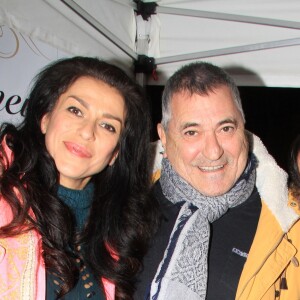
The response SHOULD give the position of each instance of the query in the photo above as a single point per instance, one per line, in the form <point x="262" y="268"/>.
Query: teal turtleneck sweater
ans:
<point x="79" y="202"/>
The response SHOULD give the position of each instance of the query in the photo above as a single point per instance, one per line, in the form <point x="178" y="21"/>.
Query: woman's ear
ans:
<point x="114" y="157"/>
<point x="44" y="123"/>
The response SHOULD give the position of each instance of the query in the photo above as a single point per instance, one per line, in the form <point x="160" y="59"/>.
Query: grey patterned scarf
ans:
<point x="182" y="274"/>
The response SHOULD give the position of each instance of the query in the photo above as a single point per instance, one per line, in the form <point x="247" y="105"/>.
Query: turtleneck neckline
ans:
<point x="77" y="198"/>
<point x="79" y="202"/>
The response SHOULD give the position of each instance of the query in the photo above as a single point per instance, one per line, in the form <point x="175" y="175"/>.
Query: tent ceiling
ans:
<point x="257" y="41"/>
<point x="53" y="22"/>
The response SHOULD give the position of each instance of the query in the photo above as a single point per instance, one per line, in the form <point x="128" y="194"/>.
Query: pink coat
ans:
<point x="22" y="269"/>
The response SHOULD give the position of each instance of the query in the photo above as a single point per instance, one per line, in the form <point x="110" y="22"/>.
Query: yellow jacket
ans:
<point x="274" y="255"/>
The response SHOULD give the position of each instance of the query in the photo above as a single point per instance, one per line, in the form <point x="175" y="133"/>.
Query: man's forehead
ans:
<point x="203" y="92"/>
<point x="192" y="109"/>
<point x="221" y="99"/>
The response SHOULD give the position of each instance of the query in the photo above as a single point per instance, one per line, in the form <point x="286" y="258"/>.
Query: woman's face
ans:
<point x="83" y="130"/>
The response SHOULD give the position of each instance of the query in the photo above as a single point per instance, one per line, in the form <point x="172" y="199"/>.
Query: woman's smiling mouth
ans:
<point x="77" y="150"/>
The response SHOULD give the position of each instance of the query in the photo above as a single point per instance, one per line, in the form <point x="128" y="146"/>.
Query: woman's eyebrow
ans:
<point x="81" y="101"/>
<point x="110" y="116"/>
<point x="87" y="105"/>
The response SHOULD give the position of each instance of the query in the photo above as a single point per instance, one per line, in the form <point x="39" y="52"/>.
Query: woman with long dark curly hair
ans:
<point x="75" y="215"/>
<point x="294" y="170"/>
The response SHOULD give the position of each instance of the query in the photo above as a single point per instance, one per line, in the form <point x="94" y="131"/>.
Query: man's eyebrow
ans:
<point x="228" y="121"/>
<point x="189" y="124"/>
<point x="222" y="122"/>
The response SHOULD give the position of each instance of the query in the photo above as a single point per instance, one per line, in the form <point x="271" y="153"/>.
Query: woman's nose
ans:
<point x="86" y="130"/>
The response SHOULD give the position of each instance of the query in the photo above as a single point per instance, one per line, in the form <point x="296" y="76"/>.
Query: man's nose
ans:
<point x="212" y="149"/>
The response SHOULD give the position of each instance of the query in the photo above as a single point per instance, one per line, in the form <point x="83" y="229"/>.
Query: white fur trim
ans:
<point x="271" y="183"/>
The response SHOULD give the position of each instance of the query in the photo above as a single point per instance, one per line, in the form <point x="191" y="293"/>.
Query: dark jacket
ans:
<point x="155" y="254"/>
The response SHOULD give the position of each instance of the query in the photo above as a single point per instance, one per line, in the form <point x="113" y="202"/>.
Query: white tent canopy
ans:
<point x="257" y="41"/>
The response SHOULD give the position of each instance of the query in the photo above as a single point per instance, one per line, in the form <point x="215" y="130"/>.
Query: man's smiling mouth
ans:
<point x="212" y="168"/>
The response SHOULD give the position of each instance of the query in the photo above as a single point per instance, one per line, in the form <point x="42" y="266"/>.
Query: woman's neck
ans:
<point x="79" y="202"/>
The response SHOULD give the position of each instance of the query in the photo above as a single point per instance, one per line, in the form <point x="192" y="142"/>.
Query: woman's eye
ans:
<point x="108" y="127"/>
<point x="76" y="111"/>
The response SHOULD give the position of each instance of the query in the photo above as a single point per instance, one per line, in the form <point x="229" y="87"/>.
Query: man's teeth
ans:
<point x="214" y="168"/>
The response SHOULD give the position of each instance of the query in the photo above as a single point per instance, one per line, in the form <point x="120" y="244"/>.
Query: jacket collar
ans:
<point x="271" y="183"/>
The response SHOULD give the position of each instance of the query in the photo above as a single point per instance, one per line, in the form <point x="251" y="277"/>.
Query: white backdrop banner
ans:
<point x="21" y="58"/>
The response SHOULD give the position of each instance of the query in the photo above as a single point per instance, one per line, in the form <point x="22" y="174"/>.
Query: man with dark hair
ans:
<point x="228" y="230"/>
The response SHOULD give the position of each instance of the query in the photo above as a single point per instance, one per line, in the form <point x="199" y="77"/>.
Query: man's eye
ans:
<point x="227" y="128"/>
<point x="108" y="127"/>
<point x="74" y="110"/>
<point x="190" y="133"/>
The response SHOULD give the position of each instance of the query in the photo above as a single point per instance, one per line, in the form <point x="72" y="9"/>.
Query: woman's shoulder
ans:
<point x="6" y="214"/>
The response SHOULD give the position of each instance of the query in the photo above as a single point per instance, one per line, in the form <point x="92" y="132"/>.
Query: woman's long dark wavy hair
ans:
<point x="122" y="217"/>
<point x="294" y="172"/>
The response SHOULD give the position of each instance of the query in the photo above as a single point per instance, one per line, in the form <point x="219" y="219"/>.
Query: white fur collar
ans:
<point x="271" y="183"/>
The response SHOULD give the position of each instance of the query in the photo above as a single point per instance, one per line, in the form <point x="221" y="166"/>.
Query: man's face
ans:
<point x="205" y="141"/>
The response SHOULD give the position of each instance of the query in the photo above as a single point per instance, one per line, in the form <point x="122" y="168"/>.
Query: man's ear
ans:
<point x="162" y="135"/>
<point x="44" y="123"/>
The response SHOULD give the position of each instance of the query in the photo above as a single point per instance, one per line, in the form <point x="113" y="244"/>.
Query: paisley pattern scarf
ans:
<point x="182" y="274"/>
